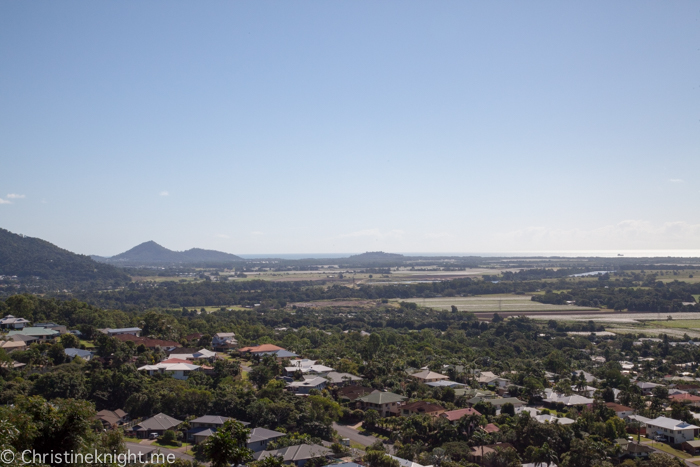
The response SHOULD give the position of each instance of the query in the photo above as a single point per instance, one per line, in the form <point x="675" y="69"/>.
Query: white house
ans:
<point x="307" y="367"/>
<point x="675" y="431"/>
<point x="224" y="341"/>
<point x="176" y="370"/>
<point x="309" y="383"/>
<point x="10" y="322"/>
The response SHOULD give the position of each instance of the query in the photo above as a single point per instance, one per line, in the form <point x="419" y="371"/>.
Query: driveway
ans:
<point x="347" y="432"/>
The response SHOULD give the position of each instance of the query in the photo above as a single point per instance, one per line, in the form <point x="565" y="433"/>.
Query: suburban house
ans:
<point x="647" y="388"/>
<point x="115" y="332"/>
<point x="177" y="369"/>
<point x="405" y="462"/>
<point x="421" y="408"/>
<point x="10" y="322"/>
<point x="674" y="431"/>
<point x="205" y="426"/>
<point x="497" y="402"/>
<point x="353" y="393"/>
<point x="297" y="455"/>
<point x="260" y="437"/>
<point x="386" y="403"/>
<point x="454" y="415"/>
<point x="56" y="327"/>
<point x="691" y="447"/>
<point x="554" y="398"/>
<point x="148" y="342"/>
<point x="587" y="391"/>
<point x="268" y="349"/>
<point x="9" y="346"/>
<point x="307" y="384"/>
<point x="341" y="379"/>
<point x="491" y="428"/>
<point x="621" y="411"/>
<point x="485" y="377"/>
<point x="157" y="424"/>
<point x="689" y="399"/>
<point x="84" y="354"/>
<point x="427" y="376"/>
<point x="306" y="366"/>
<point x="545" y="418"/>
<point x="587" y="376"/>
<point x="40" y="334"/>
<point x="202" y="354"/>
<point x="111" y="418"/>
<point x="223" y="341"/>
<point x="445" y="384"/>
<point x="633" y="450"/>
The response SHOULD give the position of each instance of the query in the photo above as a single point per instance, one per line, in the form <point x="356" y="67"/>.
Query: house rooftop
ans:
<point x="34" y="331"/>
<point x="382" y="398"/>
<point x="454" y="415"/>
<point x="158" y="422"/>
<point x="427" y="374"/>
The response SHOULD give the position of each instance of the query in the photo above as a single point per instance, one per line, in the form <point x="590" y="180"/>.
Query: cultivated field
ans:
<point x="494" y="304"/>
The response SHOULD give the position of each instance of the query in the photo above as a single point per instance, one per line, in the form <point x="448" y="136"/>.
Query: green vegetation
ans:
<point x="41" y="266"/>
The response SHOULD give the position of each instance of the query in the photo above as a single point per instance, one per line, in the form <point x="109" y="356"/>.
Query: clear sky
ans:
<point x="348" y="126"/>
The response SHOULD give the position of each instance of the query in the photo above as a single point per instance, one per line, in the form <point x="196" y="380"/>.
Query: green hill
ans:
<point x="45" y="265"/>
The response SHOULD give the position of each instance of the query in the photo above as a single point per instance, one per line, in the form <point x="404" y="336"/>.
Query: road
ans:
<point x="145" y="450"/>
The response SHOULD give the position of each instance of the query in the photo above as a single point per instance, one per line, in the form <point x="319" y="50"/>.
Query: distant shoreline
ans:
<point x="505" y="254"/>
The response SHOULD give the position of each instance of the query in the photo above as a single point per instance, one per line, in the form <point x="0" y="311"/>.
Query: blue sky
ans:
<point x="291" y="127"/>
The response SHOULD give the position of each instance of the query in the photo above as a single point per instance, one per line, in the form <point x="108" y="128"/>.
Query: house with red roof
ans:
<point x="454" y="415"/>
<point x="689" y="399"/>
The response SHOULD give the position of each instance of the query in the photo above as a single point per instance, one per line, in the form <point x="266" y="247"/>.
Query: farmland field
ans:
<point x="494" y="304"/>
<point x="676" y="323"/>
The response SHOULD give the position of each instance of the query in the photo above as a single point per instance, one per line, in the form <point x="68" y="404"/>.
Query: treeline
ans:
<point x="278" y="294"/>
<point x="660" y="298"/>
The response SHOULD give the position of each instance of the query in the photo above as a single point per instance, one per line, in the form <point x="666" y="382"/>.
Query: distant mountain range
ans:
<point x="44" y="264"/>
<point x="150" y="253"/>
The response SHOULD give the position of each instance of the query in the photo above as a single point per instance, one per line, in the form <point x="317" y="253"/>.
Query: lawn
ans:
<point x="169" y="446"/>
<point x="87" y="344"/>
<point x="676" y="323"/>
<point x="493" y="303"/>
<point x="666" y="448"/>
<point x="132" y="440"/>
<point x="697" y="298"/>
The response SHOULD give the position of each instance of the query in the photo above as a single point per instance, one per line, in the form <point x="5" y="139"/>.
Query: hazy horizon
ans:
<point x="350" y="126"/>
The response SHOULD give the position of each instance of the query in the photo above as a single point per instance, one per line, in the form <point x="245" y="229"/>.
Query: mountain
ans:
<point x="44" y="264"/>
<point x="151" y="253"/>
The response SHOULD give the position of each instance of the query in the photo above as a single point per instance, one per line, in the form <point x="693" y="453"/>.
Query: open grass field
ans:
<point x="165" y="279"/>
<point x="211" y="309"/>
<point x="682" y="275"/>
<point x="493" y="304"/>
<point x="676" y="323"/>
<point x="351" y="276"/>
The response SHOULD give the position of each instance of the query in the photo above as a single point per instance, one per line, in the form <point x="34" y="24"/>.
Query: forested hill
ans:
<point x="46" y="266"/>
<point x="150" y="253"/>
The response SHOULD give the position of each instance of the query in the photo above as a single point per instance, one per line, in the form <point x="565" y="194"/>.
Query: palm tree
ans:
<point x="544" y="456"/>
<point x="507" y="457"/>
<point x="581" y="383"/>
